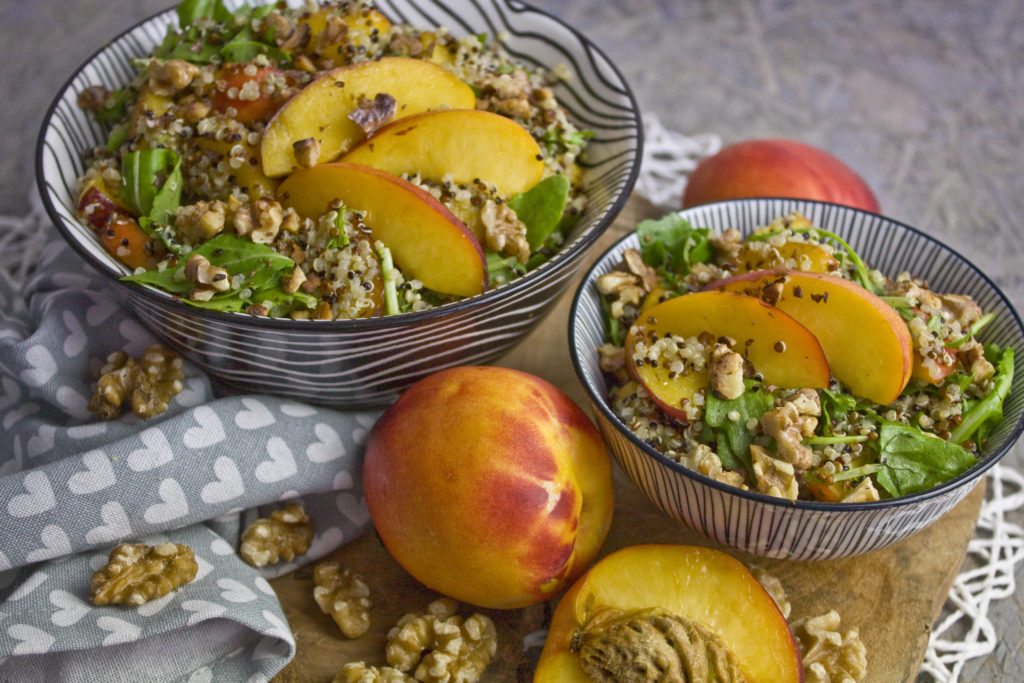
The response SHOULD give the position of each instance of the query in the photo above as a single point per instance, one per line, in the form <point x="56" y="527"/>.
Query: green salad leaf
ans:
<point x="672" y="245"/>
<point x="152" y="183"/>
<point x="502" y="269"/>
<point x="914" y="461"/>
<point x="541" y="208"/>
<point x="190" y="12"/>
<point x="732" y="436"/>
<point x="983" y="414"/>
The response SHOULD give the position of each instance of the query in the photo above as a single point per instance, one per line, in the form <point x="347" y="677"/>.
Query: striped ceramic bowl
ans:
<point x="366" y="363"/>
<point x="770" y="526"/>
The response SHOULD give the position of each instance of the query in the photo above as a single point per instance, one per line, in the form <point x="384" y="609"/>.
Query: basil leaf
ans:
<point x="152" y="183"/>
<point x="673" y="244"/>
<point x="915" y="461"/>
<point x="541" y="207"/>
<point x="731" y="435"/>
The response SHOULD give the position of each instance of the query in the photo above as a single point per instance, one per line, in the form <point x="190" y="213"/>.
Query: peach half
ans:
<point x="469" y="145"/>
<point x="785" y="352"/>
<point x="489" y="485"/>
<point x="709" y="591"/>
<point x="321" y="109"/>
<point x="867" y="343"/>
<point x="426" y="241"/>
<point x="776" y="168"/>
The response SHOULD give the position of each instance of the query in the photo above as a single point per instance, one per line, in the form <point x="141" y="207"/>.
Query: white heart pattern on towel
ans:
<point x="31" y="583"/>
<point x="39" y="498"/>
<point x="115" y="525"/>
<point x="228" y="485"/>
<point x="43" y="367"/>
<point x="70" y="608"/>
<point x="98" y="474"/>
<point x="102" y="308"/>
<point x="157" y="451"/>
<point x="174" y="504"/>
<point x="33" y="641"/>
<point x="355" y="510"/>
<point x="55" y="544"/>
<point x="76" y="340"/>
<point x="121" y="631"/>
<point x="42" y="441"/>
<point x="342" y="481"/>
<point x="255" y="416"/>
<point x="148" y="609"/>
<point x="202" y="610"/>
<point x="74" y="403"/>
<point x="329" y="447"/>
<point x="235" y="591"/>
<point x="281" y="464"/>
<point x="209" y="432"/>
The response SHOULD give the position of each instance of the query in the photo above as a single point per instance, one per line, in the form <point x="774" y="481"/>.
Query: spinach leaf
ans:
<point x="915" y="461"/>
<point x="981" y="416"/>
<point x="541" y="207"/>
<point x="731" y="435"/>
<point x="672" y="244"/>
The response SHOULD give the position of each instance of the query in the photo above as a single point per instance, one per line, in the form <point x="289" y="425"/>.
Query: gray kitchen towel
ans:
<point x="73" y="486"/>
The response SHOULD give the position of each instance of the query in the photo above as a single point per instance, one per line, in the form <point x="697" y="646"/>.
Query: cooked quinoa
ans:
<point x="332" y="267"/>
<point x="805" y="444"/>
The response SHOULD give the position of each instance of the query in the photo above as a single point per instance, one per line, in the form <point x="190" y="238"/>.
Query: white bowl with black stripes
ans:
<point x="367" y="362"/>
<point x="774" y="527"/>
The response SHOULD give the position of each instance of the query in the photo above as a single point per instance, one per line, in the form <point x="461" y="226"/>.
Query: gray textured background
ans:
<point x="925" y="99"/>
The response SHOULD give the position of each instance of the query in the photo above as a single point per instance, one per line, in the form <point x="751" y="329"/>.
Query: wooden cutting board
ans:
<point x="892" y="596"/>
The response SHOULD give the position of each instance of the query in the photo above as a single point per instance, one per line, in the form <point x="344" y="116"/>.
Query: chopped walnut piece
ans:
<point x="291" y="284"/>
<point x="284" y="535"/>
<point x="503" y="231"/>
<point x="170" y="77"/>
<point x="307" y="152"/>
<point x="344" y="596"/>
<point x="636" y="646"/>
<point x="726" y="372"/>
<point x="360" y="672"/>
<point x="774" y="588"/>
<point x="828" y="655"/>
<point x="370" y="115"/>
<point x="611" y="358"/>
<point x="200" y="271"/>
<point x="635" y="263"/>
<point x="202" y="220"/>
<point x="136" y="573"/>
<point x="148" y="383"/>
<point x="774" y="476"/>
<point x="788" y="423"/>
<point x="440" y="646"/>
<point x="286" y="35"/>
<point x="704" y="460"/>
<point x="94" y="98"/>
<point x="626" y="287"/>
<point x="268" y="216"/>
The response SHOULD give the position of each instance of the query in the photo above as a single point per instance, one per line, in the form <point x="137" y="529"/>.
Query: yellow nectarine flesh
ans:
<point x="489" y="485"/>
<point x="426" y="241"/>
<point x="703" y="586"/>
<point x="776" y="168"/>
<point x="781" y="349"/>
<point x="468" y="145"/>
<point x="867" y="343"/>
<point x="321" y="110"/>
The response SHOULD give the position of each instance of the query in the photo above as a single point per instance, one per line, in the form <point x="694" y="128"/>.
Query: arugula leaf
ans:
<point x="502" y="269"/>
<point x="541" y="207"/>
<point x="916" y="461"/>
<point x="116" y="108"/>
<point x="281" y="303"/>
<point x="190" y="12"/>
<point x="982" y="415"/>
<point x="672" y="244"/>
<point x="731" y="435"/>
<point x="259" y="264"/>
<point x="118" y="136"/>
<point x="152" y="183"/>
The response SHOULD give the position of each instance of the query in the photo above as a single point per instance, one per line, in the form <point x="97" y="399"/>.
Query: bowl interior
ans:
<point x="882" y="243"/>
<point x="595" y="95"/>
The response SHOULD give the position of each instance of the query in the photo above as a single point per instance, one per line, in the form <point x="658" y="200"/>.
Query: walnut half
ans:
<point x="360" y="672"/>
<point x="441" y="647"/>
<point x="147" y="384"/>
<point x="137" y="573"/>
<point x="284" y="535"/>
<point x="343" y="595"/>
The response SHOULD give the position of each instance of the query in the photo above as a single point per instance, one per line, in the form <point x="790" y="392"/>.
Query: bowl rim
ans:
<point x="576" y="247"/>
<point x="972" y="474"/>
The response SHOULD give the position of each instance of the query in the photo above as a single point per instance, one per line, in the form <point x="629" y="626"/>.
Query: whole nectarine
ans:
<point x="776" y="168"/>
<point x="489" y="485"/>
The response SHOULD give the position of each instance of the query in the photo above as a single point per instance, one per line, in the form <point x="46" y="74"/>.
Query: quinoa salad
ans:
<point x="798" y="443"/>
<point x="178" y="193"/>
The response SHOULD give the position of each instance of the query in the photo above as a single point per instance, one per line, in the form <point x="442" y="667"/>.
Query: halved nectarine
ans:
<point x="628" y="601"/>
<point x="868" y="346"/>
<point x="321" y="109"/>
<point x="426" y="241"/>
<point x="781" y="349"/>
<point x="468" y="144"/>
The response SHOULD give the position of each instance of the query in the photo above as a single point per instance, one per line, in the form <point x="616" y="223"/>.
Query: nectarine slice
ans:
<point x="321" y="109"/>
<point x="781" y="349"/>
<point x="704" y="588"/>
<point x="426" y="241"/>
<point x="867" y="343"/>
<point x="470" y="145"/>
<point x="805" y="255"/>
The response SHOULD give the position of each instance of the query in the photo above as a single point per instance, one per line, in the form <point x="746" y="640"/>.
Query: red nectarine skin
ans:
<point x="776" y="168"/>
<point x="489" y="485"/>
